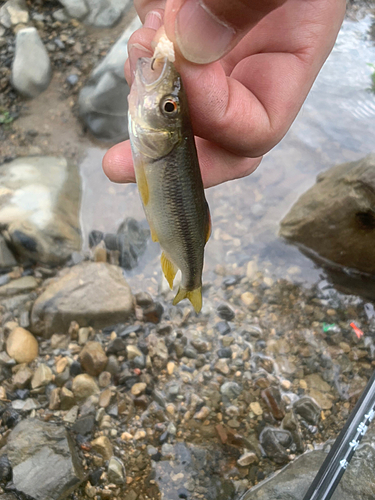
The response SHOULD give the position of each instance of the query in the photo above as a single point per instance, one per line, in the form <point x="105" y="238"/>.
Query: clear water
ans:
<point x="335" y="125"/>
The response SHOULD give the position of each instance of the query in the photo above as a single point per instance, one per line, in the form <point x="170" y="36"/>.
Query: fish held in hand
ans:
<point x="167" y="172"/>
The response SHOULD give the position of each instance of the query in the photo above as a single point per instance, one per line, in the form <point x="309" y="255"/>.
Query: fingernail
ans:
<point x="135" y="52"/>
<point x="153" y="20"/>
<point x="201" y="37"/>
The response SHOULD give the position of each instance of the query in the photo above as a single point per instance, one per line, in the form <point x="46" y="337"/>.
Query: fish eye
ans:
<point x="169" y="107"/>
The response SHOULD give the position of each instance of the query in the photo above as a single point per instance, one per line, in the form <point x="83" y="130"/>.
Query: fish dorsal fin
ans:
<point x="169" y="269"/>
<point x="195" y="297"/>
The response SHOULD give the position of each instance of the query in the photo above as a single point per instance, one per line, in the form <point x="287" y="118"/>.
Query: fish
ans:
<point x="167" y="173"/>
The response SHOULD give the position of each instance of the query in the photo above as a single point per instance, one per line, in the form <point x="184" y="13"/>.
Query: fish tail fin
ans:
<point x="195" y="297"/>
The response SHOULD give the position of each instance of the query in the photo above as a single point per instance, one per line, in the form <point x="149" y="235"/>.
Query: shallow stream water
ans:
<point x="334" y="126"/>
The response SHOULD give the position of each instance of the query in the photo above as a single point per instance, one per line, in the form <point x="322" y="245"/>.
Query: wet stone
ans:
<point x="63" y="377"/>
<point x="222" y="367"/>
<point x="222" y="328"/>
<point x="290" y="423"/>
<point x="274" y="442"/>
<point x="116" y="346"/>
<point x="84" y="386"/>
<point x="225" y="312"/>
<point x="104" y="379"/>
<point x="138" y="388"/>
<point x="153" y="313"/>
<point x="247" y="459"/>
<point x="256" y="408"/>
<point x="125" y="332"/>
<point x="231" y="281"/>
<point x="59" y="341"/>
<point x="44" y="460"/>
<point x="230" y="390"/>
<point x="42" y="376"/>
<point x="83" y="335"/>
<point x="72" y="415"/>
<point x="103" y="446"/>
<point x="22" y="345"/>
<point x="200" y="346"/>
<point x="113" y="366"/>
<point x="190" y="352"/>
<point x="10" y="417"/>
<point x="67" y="400"/>
<point x="93" y="358"/>
<point x="224" y="352"/>
<point x="143" y="299"/>
<point x="22" y="378"/>
<point x="5" y="469"/>
<point x="84" y="425"/>
<point x="272" y="398"/>
<point x="116" y="471"/>
<point x="308" y="409"/>
<point x="54" y="399"/>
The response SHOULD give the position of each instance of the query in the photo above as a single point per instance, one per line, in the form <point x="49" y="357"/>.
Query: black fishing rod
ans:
<point x="343" y="449"/>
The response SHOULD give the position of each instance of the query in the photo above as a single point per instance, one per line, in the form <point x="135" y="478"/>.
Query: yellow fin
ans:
<point x="169" y="269"/>
<point x="195" y="297"/>
<point x="142" y="184"/>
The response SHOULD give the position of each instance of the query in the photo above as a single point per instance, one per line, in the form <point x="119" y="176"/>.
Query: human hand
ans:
<point x="247" y="67"/>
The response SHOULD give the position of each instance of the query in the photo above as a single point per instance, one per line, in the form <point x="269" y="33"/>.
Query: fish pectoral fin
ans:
<point x="209" y="225"/>
<point x="169" y="269"/>
<point x="142" y="184"/>
<point x="195" y="297"/>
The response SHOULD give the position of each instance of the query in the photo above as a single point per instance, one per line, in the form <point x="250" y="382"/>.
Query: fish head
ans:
<point x="156" y="108"/>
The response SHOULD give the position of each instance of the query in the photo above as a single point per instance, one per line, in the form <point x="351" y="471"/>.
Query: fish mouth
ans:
<point x="151" y="71"/>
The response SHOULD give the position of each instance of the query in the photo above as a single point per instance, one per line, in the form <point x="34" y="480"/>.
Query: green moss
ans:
<point x="5" y="118"/>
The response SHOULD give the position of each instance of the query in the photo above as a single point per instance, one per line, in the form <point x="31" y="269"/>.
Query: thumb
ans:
<point x="205" y="30"/>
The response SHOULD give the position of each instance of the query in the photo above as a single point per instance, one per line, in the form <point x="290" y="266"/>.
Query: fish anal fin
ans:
<point x="195" y="297"/>
<point x="169" y="269"/>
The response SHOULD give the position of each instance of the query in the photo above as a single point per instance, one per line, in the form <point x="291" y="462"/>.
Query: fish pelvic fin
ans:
<point x="195" y="297"/>
<point x="169" y="269"/>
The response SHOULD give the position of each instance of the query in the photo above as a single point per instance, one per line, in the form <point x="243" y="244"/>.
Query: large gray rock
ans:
<point x="7" y="260"/>
<point x="31" y="69"/>
<point x="44" y="460"/>
<point x="39" y="207"/>
<point x="75" y="8"/>
<point x="103" y="103"/>
<point x="336" y="217"/>
<point x="14" y="12"/>
<point x="98" y="13"/>
<point x="93" y="294"/>
<point x="292" y="482"/>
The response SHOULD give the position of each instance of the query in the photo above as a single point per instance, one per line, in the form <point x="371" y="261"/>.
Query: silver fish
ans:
<point x="168" y="174"/>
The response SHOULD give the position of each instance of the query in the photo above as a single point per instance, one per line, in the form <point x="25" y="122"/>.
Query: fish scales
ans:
<point x="173" y="214"/>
